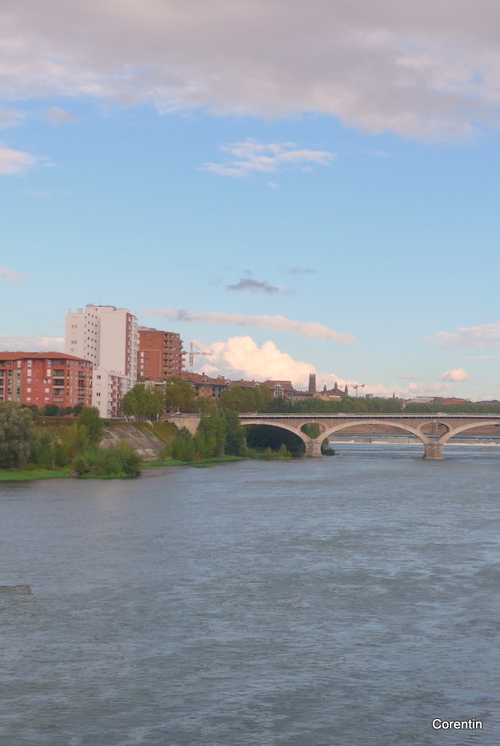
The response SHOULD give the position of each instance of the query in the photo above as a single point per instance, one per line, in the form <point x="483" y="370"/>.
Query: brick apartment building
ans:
<point x="160" y="354"/>
<point x="45" y="378"/>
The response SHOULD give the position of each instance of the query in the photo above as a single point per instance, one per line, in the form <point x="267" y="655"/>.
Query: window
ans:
<point x="28" y="390"/>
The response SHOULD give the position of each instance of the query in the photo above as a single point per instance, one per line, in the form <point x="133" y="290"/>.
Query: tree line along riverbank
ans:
<point x="85" y="446"/>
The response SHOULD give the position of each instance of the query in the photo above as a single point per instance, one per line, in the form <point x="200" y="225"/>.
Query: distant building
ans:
<point x="160" y="354"/>
<point x="312" y="384"/>
<point x="107" y="336"/>
<point x="334" y="394"/>
<point x="43" y="378"/>
<point x="206" y="386"/>
<point x="281" y="388"/>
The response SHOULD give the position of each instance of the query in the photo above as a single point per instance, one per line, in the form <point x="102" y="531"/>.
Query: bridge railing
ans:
<point x="366" y="415"/>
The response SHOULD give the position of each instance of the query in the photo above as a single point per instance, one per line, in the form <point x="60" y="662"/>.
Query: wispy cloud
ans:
<point x="298" y="271"/>
<point x="16" y="162"/>
<point x="484" y="336"/>
<point x="375" y="153"/>
<point x="253" y="157"/>
<point x="411" y="391"/>
<point x="254" y="286"/>
<point x="278" y="323"/>
<point x="31" y="344"/>
<point x="456" y="376"/>
<point x="407" y="377"/>
<point x="58" y="116"/>
<point x="10" y="117"/>
<point x="8" y="274"/>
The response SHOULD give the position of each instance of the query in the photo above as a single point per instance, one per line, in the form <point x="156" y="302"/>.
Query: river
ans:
<point x="343" y="601"/>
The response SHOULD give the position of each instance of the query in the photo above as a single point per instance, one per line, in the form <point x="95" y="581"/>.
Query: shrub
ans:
<point x="80" y="465"/>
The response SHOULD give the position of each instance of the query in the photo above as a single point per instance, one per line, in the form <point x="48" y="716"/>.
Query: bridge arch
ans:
<point x="408" y="428"/>
<point x="319" y="422"/>
<point x="291" y="429"/>
<point x="434" y="422"/>
<point x="462" y="428"/>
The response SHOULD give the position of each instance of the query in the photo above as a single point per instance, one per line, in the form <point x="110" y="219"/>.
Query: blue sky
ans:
<point x="307" y="188"/>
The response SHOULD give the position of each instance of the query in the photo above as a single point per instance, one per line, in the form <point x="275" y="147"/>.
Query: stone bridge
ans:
<point x="448" y="426"/>
<point x="413" y="424"/>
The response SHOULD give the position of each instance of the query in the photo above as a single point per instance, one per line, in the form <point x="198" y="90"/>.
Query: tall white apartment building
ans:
<point x="109" y="337"/>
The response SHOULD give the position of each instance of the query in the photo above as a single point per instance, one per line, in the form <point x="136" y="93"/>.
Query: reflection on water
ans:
<point x="347" y="600"/>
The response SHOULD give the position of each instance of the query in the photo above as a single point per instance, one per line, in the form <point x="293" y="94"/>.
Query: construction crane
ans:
<point x="357" y="386"/>
<point x="192" y="353"/>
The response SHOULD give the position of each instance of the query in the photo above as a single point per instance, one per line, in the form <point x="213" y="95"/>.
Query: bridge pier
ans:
<point x="433" y="451"/>
<point x="313" y="448"/>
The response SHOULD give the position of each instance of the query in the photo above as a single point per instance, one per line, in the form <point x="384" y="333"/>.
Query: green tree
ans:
<point x="42" y="452"/>
<point x="242" y="399"/>
<point x="90" y="419"/>
<point x="16" y="435"/>
<point x="183" y="448"/>
<point x="51" y="410"/>
<point x="210" y="437"/>
<point x="235" y="443"/>
<point x="179" y="394"/>
<point x="75" y="440"/>
<point x="142" y="403"/>
<point x="263" y="397"/>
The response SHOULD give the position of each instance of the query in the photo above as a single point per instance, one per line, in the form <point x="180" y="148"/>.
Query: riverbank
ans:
<point x="28" y="475"/>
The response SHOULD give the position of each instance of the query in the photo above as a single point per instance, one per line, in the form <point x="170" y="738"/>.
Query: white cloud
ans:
<point x="408" y="377"/>
<point x="31" y="344"/>
<point x="457" y="375"/>
<point x="252" y="157"/>
<point x="8" y="274"/>
<point x="278" y="323"/>
<point x="425" y="70"/>
<point x="486" y="335"/>
<point x="16" y="162"/>
<point x="241" y="357"/>
<point x="58" y="116"/>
